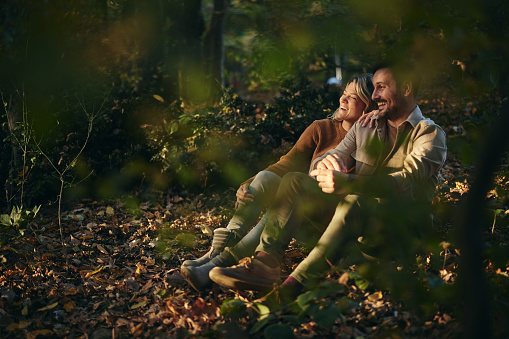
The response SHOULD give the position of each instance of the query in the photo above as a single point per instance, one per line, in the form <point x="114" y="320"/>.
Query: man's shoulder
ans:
<point x="429" y="128"/>
<point x="429" y="124"/>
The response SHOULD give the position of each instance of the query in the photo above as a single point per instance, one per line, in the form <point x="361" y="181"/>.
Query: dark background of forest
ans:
<point x="134" y="99"/>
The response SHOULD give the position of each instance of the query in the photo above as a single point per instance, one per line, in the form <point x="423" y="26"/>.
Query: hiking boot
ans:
<point x="198" y="276"/>
<point x="249" y="274"/>
<point x="222" y="237"/>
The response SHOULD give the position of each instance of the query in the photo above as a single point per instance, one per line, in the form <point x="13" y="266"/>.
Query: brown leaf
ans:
<point x="69" y="306"/>
<point x="343" y="280"/>
<point x="34" y="334"/>
<point x="102" y="249"/>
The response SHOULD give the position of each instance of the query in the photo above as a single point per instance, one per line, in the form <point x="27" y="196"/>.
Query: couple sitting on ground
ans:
<point x="344" y="194"/>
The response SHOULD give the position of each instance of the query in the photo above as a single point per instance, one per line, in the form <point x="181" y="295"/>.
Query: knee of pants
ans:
<point x="294" y="180"/>
<point x="265" y="181"/>
<point x="264" y="186"/>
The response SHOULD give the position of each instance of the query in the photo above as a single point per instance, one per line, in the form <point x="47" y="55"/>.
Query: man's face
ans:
<point x="386" y="94"/>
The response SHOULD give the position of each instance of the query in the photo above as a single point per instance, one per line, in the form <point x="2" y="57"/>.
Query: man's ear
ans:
<point x="406" y="88"/>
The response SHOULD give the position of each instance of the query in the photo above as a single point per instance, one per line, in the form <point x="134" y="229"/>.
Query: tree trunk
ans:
<point x="214" y="48"/>
<point x="475" y="292"/>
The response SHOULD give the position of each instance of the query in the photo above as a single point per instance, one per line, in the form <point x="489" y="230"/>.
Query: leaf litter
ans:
<point x="123" y="278"/>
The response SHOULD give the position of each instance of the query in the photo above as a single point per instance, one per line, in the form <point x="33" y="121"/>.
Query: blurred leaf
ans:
<point x="158" y="98"/>
<point x="278" y="331"/>
<point x="262" y="323"/>
<point x="231" y="307"/>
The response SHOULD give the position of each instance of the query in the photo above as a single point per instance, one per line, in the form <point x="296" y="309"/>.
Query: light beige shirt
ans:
<point x="414" y="160"/>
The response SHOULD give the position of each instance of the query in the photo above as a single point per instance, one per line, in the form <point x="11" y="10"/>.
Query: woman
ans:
<point x="231" y="243"/>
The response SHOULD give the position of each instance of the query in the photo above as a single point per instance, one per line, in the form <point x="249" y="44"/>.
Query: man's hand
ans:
<point x="332" y="162"/>
<point x="369" y="118"/>
<point x="243" y="195"/>
<point x="329" y="180"/>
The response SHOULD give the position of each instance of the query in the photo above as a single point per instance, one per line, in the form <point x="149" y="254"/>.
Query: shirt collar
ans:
<point x="415" y="116"/>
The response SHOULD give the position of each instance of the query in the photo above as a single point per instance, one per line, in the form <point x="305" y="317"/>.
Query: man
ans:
<point x="402" y="154"/>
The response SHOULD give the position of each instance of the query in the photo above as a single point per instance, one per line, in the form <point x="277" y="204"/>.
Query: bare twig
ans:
<point x="61" y="173"/>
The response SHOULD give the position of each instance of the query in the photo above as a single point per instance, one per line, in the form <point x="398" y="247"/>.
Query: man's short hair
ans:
<point x="403" y="69"/>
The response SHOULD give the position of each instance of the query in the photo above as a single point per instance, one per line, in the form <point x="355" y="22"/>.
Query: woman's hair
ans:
<point x="363" y="84"/>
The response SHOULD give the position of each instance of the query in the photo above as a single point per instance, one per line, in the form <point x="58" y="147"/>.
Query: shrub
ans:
<point x="232" y="141"/>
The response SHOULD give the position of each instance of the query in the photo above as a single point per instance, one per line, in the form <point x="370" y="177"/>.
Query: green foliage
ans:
<point x="173" y="240"/>
<point x="229" y="142"/>
<point x="17" y="220"/>
<point x="324" y="304"/>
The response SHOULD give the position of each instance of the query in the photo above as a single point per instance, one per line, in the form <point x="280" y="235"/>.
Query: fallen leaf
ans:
<point x="109" y="210"/>
<point x="158" y="98"/>
<point x="69" y="306"/>
<point x="18" y="326"/>
<point x="49" y="307"/>
<point x="375" y="296"/>
<point x="140" y="304"/>
<point x="89" y="274"/>
<point x="34" y="334"/>
<point x="102" y="249"/>
<point x="343" y="280"/>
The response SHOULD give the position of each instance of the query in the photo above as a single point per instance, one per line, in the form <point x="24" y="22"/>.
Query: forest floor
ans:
<point x="120" y="278"/>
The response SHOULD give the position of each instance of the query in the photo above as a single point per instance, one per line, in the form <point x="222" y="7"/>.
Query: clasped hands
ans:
<point x="330" y="173"/>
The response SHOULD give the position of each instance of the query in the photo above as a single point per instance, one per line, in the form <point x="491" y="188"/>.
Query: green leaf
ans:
<point x="263" y="310"/>
<point x="232" y="306"/>
<point x="5" y="219"/>
<point x="262" y="323"/>
<point x="327" y="315"/>
<point x="346" y="304"/>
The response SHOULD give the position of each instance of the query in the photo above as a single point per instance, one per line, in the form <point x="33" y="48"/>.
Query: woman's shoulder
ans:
<point x="326" y="123"/>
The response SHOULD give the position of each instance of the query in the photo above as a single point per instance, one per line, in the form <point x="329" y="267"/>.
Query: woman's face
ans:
<point x="350" y="105"/>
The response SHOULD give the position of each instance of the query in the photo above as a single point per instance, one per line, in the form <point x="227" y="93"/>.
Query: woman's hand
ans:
<point x="243" y="195"/>
<point x="368" y="118"/>
<point x="329" y="180"/>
